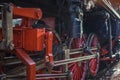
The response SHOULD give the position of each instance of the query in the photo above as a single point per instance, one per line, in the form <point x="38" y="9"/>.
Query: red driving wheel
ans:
<point x="94" y="46"/>
<point x="78" y="69"/>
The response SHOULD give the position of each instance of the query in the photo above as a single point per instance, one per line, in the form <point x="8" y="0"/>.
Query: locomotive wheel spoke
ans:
<point x="94" y="62"/>
<point x="78" y="69"/>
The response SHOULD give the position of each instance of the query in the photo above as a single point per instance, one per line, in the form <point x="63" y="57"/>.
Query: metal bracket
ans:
<point x="7" y="29"/>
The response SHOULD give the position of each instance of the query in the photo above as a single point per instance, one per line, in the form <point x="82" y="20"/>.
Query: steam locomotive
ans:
<point x="58" y="39"/>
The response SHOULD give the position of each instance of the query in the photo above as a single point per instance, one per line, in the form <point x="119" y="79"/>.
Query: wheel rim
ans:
<point x="94" y="62"/>
<point x="78" y="69"/>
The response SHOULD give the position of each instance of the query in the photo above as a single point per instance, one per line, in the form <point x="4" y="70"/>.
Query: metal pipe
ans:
<point x="106" y="4"/>
<point x="110" y="38"/>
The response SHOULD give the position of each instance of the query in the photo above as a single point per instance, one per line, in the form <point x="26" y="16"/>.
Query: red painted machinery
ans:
<point x="58" y="40"/>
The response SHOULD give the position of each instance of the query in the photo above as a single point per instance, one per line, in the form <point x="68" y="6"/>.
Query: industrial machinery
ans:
<point x="58" y="39"/>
